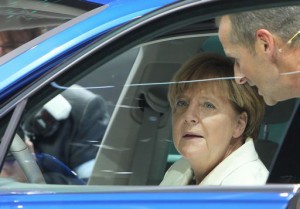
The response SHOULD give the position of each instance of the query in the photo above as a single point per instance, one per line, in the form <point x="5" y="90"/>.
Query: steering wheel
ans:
<point x="26" y="161"/>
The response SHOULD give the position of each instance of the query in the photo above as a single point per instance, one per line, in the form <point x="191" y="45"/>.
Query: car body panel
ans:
<point x="157" y="198"/>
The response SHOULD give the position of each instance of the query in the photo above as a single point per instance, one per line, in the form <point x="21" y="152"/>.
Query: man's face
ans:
<point x="254" y="68"/>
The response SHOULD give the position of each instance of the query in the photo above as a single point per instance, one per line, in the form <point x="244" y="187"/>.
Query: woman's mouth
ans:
<point x="190" y="136"/>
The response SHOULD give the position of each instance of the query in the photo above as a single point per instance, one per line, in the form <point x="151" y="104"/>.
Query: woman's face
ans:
<point x="206" y="129"/>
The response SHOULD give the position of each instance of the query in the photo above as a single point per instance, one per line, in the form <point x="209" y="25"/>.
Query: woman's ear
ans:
<point x="241" y="125"/>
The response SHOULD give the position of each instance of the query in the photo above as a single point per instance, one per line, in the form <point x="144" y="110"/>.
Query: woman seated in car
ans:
<point x="215" y="121"/>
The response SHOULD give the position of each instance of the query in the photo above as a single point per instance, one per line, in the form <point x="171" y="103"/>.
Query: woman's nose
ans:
<point x="191" y="116"/>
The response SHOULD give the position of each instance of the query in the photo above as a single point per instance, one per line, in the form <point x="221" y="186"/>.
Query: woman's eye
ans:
<point x="208" y="105"/>
<point x="181" y="103"/>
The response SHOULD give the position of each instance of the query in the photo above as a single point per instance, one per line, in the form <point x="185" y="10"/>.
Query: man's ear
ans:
<point x="265" y="42"/>
<point x="241" y="125"/>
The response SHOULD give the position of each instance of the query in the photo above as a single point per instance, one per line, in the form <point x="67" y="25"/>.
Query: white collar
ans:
<point x="245" y="153"/>
<point x="180" y="173"/>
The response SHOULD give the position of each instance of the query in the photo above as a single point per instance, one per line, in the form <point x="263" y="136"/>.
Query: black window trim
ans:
<point x="11" y="130"/>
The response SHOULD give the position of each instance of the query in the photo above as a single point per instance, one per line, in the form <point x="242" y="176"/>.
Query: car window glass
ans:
<point x="24" y="20"/>
<point x="64" y="131"/>
<point x="111" y="125"/>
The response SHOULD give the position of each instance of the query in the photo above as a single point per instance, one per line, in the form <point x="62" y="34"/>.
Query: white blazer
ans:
<point x="242" y="167"/>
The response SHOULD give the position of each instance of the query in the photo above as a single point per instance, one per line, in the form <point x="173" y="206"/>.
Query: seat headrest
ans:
<point x="79" y="98"/>
<point x="156" y="98"/>
<point x="160" y="74"/>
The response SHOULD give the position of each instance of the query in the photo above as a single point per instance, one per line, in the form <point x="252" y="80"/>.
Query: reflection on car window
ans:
<point x="23" y="20"/>
<point x="10" y="40"/>
<point x="65" y="131"/>
<point x="111" y="124"/>
<point x="76" y="118"/>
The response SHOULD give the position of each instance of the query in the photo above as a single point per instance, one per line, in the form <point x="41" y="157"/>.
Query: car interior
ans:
<point x="136" y="167"/>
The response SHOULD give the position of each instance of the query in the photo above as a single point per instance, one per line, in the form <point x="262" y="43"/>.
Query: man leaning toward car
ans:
<point x="265" y="45"/>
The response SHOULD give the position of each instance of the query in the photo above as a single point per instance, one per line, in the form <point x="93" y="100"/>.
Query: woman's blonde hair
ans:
<point x="217" y="70"/>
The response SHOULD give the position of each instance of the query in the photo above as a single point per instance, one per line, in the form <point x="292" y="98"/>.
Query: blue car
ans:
<point x="84" y="115"/>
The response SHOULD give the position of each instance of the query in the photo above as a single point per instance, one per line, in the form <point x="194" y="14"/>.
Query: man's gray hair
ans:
<point x="282" y="21"/>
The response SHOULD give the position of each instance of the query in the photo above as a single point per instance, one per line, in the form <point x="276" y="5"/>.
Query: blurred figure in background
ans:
<point x="70" y="128"/>
<point x="10" y="40"/>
